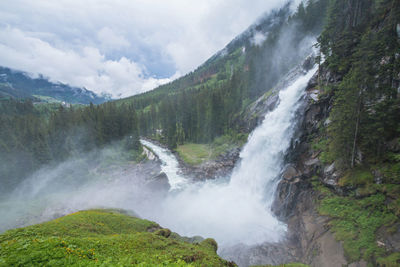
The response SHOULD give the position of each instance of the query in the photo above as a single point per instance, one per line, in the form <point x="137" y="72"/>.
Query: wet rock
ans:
<point x="149" y="154"/>
<point x="312" y="162"/>
<point x="270" y="254"/>
<point x="331" y="177"/>
<point x="288" y="191"/>
<point x="308" y="64"/>
<point x="267" y="253"/>
<point x="390" y="239"/>
<point x="312" y="118"/>
<point x="313" y="82"/>
<point x="329" y="169"/>
<point x="308" y="233"/>
<point x="290" y="173"/>
<point x="314" y="95"/>
<point x="159" y="183"/>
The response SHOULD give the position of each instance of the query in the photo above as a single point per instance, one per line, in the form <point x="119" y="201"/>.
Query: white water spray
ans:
<point x="239" y="211"/>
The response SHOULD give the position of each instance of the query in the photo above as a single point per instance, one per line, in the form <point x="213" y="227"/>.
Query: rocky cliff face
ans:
<point x="308" y="232"/>
<point x="310" y="235"/>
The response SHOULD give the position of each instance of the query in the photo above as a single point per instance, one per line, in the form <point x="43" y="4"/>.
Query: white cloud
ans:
<point x="258" y="39"/>
<point x="87" y="68"/>
<point x="110" y="40"/>
<point x="118" y="46"/>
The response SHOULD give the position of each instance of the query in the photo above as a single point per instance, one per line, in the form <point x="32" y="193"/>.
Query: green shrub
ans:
<point x="355" y="222"/>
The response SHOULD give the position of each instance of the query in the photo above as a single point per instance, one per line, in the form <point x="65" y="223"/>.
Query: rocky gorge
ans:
<point x="310" y="238"/>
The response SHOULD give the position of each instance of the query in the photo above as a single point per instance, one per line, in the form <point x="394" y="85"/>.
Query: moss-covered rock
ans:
<point x="163" y="232"/>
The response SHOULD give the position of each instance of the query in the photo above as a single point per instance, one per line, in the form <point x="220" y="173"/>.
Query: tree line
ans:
<point x="362" y="47"/>
<point x="29" y="139"/>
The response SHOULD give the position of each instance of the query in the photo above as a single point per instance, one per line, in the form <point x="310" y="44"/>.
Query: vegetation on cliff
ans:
<point x="361" y="134"/>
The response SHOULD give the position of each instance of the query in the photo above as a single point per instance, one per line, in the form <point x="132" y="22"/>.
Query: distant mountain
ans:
<point x="18" y="84"/>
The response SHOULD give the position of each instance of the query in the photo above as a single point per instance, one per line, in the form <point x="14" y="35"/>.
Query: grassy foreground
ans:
<point x="103" y="238"/>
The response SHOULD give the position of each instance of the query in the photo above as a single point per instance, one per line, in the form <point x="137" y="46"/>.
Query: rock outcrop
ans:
<point x="222" y="166"/>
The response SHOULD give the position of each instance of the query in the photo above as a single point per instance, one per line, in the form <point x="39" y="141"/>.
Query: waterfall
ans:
<point x="262" y="156"/>
<point x="238" y="210"/>
<point x="169" y="165"/>
<point x="232" y="210"/>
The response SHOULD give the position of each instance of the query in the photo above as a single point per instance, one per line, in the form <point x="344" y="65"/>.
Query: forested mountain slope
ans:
<point x="17" y="84"/>
<point x="208" y="102"/>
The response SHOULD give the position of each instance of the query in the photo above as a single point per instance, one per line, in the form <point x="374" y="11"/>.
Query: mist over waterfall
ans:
<point x="238" y="210"/>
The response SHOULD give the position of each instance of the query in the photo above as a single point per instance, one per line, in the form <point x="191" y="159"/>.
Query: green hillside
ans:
<point x="103" y="238"/>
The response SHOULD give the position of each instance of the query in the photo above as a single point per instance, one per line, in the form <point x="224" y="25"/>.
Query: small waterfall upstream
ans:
<point x="238" y="210"/>
<point x="169" y="165"/>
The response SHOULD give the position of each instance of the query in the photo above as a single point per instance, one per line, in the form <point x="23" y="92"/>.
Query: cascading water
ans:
<point x="239" y="210"/>
<point x="169" y="165"/>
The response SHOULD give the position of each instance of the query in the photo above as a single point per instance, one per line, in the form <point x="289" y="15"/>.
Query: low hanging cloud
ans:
<point x="86" y="68"/>
<point x="258" y="38"/>
<point x="119" y="47"/>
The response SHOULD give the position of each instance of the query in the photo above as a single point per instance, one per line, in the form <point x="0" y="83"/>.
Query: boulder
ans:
<point x="290" y="173"/>
<point x="330" y="176"/>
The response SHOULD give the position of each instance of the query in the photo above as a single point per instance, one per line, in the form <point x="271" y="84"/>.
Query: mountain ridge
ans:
<point x="18" y="84"/>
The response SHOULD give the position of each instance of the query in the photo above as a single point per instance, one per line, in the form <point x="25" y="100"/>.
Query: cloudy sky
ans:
<point x="119" y="47"/>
